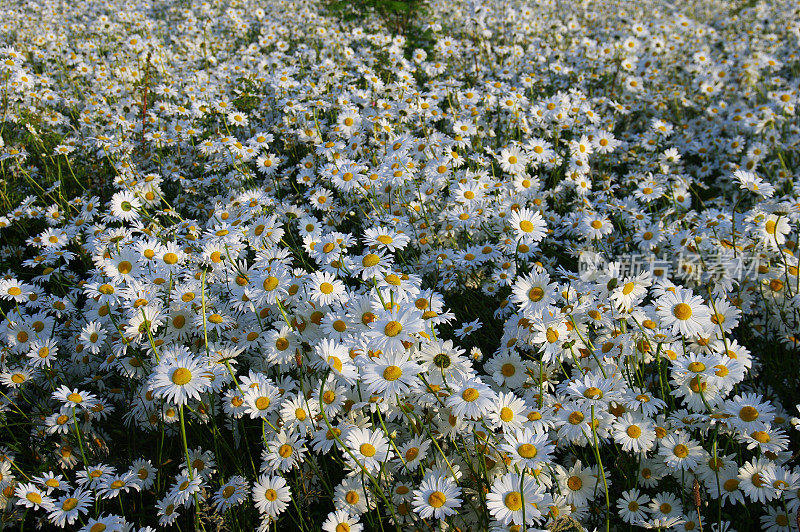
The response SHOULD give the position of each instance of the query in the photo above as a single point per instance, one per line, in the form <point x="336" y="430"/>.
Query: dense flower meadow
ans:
<point x="263" y="267"/>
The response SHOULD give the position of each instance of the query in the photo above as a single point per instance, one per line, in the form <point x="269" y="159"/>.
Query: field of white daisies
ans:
<point x="498" y="265"/>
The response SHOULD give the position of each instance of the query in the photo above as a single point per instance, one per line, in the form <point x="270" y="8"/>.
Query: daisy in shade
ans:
<point x="437" y="497"/>
<point x="631" y="505"/>
<point x="66" y="509"/>
<point x="390" y="374"/>
<point x="753" y="480"/>
<point x="73" y="397"/>
<point x="472" y="399"/>
<point x="167" y="511"/>
<point x="351" y="497"/>
<point x="31" y="496"/>
<point x="528" y="225"/>
<point x="179" y="378"/>
<point x="665" y="505"/>
<point x="683" y="312"/>
<point x="283" y="453"/>
<point x="109" y="523"/>
<point x="508" y="495"/>
<point x="230" y="494"/>
<point x="271" y="495"/>
<point x="341" y="521"/>
<point x="578" y="484"/>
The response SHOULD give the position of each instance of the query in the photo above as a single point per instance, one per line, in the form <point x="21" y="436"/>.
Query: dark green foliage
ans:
<point x="402" y="17"/>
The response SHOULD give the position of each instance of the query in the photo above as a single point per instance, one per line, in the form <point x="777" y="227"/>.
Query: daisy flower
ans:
<point x="389" y="332"/>
<point x="534" y="293"/>
<point x="390" y="374"/>
<point x="578" y="484"/>
<point x="529" y="226"/>
<point x="283" y="453"/>
<point x="74" y="398"/>
<point x="341" y="521"/>
<point x="369" y="449"/>
<point x="351" y="497"/>
<point x="31" y="496"/>
<point x="325" y="289"/>
<point x="680" y="452"/>
<point x="753" y="480"/>
<point x="436" y="497"/>
<point x="124" y="206"/>
<point x="512" y="160"/>
<point x="472" y="399"/>
<point x="749" y="412"/>
<point x="66" y="509"/>
<point x="179" y="378"/>
<point x="271" y="495"/>
<point x="508" y="412"/>
<point x="510" y="493"/>
<point x="527" y="448"/>
<point x="635" y="433"/>
<point x="753" y="183"/>
<point x="385" y="238"/>
<point x="683" y="312"/>
<point x="231" y="493"/>
<point x="631" y="506"/>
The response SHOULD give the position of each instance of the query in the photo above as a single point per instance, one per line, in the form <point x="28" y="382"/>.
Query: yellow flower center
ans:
<point x="181" y="376"/>
<point x="513" y="501"/>
<point x="285" y="450"/>
<point x="633" y="431"/>
<point x="470" y="395"/>
<point x="393" y="328"/>
<point x="392" y="373"/>
<point x="682" y="311"/>
<point x="526" y="450"/>
<point x="437" y="499"/>
<point x="367" y="449"/>
<point x="748" y="414"/>
<point x="680" y="450"/>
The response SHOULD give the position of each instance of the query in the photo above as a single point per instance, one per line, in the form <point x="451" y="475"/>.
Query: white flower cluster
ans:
<point x="264" y="265"/>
